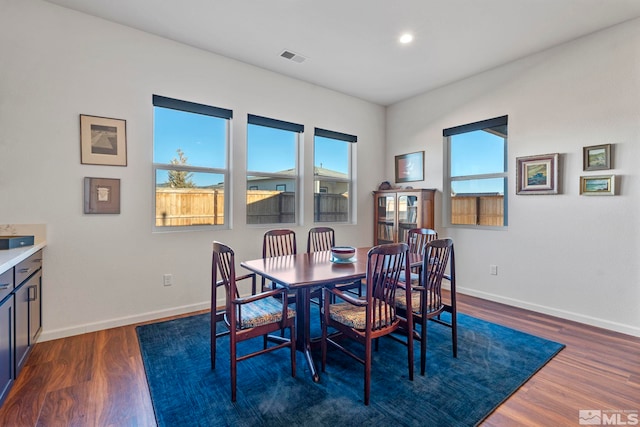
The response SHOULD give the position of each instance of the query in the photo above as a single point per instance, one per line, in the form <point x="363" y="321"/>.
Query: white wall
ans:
<point x="568" y="255"/>
<point x="106" y="270"/>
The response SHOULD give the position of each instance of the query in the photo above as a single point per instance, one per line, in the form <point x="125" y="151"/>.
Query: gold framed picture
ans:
<point x="103" y="141"/>
<point x="603" y="185"/>
<point x="101" y="195"/>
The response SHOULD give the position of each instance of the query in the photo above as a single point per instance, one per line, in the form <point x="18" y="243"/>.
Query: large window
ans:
<point x="272" y="170"/>
<point x="476" y="173"/>
<point x="190" y="146"/>
<point x="332" y="175"/>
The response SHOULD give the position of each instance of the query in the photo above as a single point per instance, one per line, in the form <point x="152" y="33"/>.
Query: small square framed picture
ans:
<point x="101" y="195"/>
<point x="103" y="141"/>
<point x="596" y="157"/>
<point x="602" y="185"/>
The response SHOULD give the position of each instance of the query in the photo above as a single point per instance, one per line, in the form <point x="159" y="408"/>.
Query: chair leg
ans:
<point x="292" y="333"/>
<point x="423" y="344"/>
<point x="323" y="342"/>
<point x="234" y="371"/>
<point x="454" y="334"/>
<point x="367" y="371"/>
<point x="213" y="343"/>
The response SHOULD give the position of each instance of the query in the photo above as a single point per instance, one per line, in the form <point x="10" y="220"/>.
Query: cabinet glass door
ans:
<point x="407" y="215"/>
<point x="386" y="217"/>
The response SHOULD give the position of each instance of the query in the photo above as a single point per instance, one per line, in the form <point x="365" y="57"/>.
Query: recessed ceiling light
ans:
<point x="406" y="38"/>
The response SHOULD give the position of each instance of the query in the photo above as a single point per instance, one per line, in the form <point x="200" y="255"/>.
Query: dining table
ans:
<point x="307" y="271"/>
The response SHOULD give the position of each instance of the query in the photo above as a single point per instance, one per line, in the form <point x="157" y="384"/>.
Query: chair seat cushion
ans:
<point x="354" y="316"/>
<point x="401" y="302"/>
<point x="415" y="279"/>
<point x="263" y="312"/>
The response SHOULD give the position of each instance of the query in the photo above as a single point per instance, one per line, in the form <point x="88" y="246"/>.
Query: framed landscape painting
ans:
<point x="596" y="157"/>
<point x="604" y="185"/>
<point x="537" y="174"/>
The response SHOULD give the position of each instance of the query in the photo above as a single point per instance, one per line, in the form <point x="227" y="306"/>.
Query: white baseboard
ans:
<point x="576" y="317"/>
<point x="48" y="335"/>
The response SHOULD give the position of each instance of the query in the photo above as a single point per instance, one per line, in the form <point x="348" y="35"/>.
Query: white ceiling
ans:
<point x="351" y="45"/>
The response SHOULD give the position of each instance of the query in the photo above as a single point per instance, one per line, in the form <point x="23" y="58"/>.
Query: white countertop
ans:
<point x="11" y="257"/>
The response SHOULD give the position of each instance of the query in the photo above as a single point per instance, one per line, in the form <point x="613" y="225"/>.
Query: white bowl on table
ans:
<point x="343" y="253"/>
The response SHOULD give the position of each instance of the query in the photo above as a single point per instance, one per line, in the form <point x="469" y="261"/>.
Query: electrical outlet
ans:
<point x="167" y="279"/>
<point x="493" y="270"/>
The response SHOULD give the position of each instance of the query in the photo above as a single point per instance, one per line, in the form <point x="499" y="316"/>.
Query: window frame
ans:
<point x="448" y="179"/>
<point x="298" y="130"/>
<point x="352" y="140"/>
<point x="207" y="110"/>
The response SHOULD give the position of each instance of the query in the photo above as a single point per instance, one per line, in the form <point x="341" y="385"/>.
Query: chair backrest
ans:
<point x="321" y="239"/>
<point x="224" y="274"/>
<point x="438" y="254"/>
<point x="417" y="239"/>
<point x="278" y="243"/>
<point x="385" y="265"/>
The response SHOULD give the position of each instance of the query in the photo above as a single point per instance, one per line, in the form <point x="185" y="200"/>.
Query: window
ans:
<point x="476" y="173"/>
<point x="190" y="145"/>
<point x="332" y="175"/>
<point x="272" y="170"/>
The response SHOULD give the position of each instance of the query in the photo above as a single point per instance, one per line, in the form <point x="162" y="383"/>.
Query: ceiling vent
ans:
<point x="295" y="57"/>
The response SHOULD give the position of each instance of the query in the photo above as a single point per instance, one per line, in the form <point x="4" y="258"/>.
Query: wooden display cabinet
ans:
<point x="398" y="211"/>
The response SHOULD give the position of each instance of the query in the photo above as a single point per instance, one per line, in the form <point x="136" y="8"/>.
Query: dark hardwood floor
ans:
<point x="97" y="379"/>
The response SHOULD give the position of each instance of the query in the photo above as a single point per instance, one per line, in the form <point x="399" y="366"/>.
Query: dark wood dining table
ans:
<point x="305" y="272"/>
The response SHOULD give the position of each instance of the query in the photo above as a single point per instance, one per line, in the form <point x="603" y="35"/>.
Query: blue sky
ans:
<point x="270" y="150"/>
<point x="200" y="136"/>
<point x="474" y="153"/>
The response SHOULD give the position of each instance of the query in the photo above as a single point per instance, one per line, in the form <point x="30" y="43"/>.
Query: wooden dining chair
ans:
<point x="417" y="239"/>
<point x="278" y="242"/>
<point x="426" y="299"/>
<point x="323" y="239"/>
<point x="247" y="317"/>
<point x="373" y="316"/>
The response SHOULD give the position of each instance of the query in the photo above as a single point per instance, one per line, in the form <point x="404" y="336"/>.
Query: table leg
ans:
<point x="303" y="329"/>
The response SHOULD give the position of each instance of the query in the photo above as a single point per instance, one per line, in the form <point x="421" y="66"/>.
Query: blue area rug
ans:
<point x="493" y="362"/>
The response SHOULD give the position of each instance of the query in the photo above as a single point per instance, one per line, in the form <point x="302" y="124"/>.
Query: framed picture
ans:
<point x="103" y="141"/>
<point x="604" y="185"/>
<point x="596" y="157"/>
<point x="410" y="167"/>
<point x="101" y="196"/>
<point x="537" y="174"/>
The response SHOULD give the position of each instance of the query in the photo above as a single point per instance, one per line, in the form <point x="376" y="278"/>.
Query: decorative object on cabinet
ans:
<point x="12" y="242"/>
<point x="596" y="157"/>
<point x="398" y="211"/>
<point x="384" y="185"/>
<point x="410" y="167"/>
<point x="101" y="195"/>
<point x="537" y="174"/>
<point x="602" y="185"/>
<point x="103" y="141"/>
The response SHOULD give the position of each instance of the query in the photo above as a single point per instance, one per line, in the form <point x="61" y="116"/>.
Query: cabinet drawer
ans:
<point x="6" y="283"/>
<point x="27" y="267"/>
